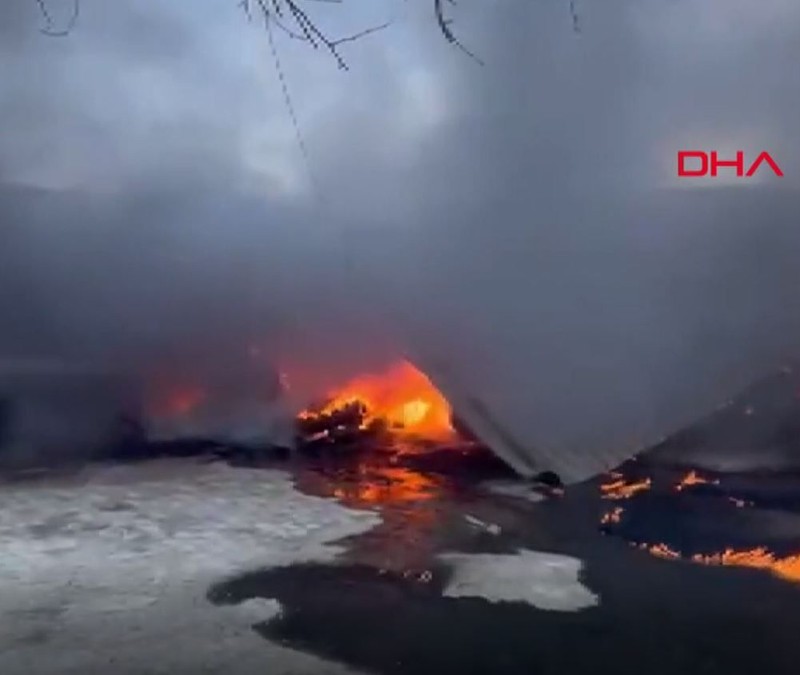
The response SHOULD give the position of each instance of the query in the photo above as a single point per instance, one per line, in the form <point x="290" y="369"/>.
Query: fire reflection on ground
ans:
<point x="421" y="496"/>
<point x="373" y="485"/>
<point x="412" y="505"/>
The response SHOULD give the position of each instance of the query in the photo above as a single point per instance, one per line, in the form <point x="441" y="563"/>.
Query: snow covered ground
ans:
<point x="108" y="571"/>
<point x="545" y="580"/>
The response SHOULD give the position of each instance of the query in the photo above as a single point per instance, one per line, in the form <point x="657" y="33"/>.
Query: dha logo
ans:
<point x="710" y="163"/>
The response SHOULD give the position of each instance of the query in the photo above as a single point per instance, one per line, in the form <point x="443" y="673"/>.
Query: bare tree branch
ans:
<point x="573" y="12"/>
<point x="48" y="19"/>
<point x="289" y="17"/>
<point x="444" y="26"/>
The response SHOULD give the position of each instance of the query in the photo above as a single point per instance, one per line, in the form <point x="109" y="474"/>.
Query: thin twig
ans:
<point x="573" y="12"/>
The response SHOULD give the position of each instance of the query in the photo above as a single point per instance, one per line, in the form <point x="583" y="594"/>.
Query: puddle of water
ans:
<point x="384" y="622"/>
<point x="384" y="607"/>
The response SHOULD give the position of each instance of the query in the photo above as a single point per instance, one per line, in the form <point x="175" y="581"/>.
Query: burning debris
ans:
<point x="786" y="567"/>
<point x="621" y="488"/>
<point x="337" y="426"/>
<point x="400" y="403"/>
<point x="693" y="478"/>
<point x="660" y="551"/>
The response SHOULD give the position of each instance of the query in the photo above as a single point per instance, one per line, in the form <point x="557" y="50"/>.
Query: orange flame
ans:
<point x="402" y="397"/>
<point x="758" y="558"/>
<point x="786" y="567"/>
<point x="621" y="489"/>
<point x="761" y="558"/>
<point x="693" y="478"/>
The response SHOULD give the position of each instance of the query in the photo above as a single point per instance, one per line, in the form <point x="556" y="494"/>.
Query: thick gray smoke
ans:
<point x="520" y="221"/>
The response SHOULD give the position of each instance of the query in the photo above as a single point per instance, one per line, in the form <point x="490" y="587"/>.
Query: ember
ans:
<point x="660" y="551"/>
<point x="693" y="478"/>
<point x="621" y="489"/>
<point x="612" y="517"/>
<point x="402" y="400"/>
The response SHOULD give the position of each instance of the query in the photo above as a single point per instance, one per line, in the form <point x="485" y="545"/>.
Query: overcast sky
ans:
<point x="515" y="217"/>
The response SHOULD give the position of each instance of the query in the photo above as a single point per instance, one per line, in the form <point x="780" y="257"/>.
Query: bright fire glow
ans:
<point x="176" y="401"/>
<point x="402" y="397"/>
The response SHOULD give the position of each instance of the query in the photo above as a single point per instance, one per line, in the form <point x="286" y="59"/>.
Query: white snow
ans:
<point x="544" y="580"/>
<point x="109" y="570"/>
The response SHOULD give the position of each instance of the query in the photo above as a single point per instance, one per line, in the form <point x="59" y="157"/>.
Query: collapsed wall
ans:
<point x="53" y="412"/>
<point x="515" y="447"/>
<point x="759" y="430"/>
<point x="251" y="422"/>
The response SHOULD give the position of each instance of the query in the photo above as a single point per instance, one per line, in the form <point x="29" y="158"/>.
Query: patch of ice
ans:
<point x="544" y="580"/>
<point x="109" y="570"/>
<point x="518" y="489"/>
<point x="491" y="528"/>
<point x="254" y="610"/>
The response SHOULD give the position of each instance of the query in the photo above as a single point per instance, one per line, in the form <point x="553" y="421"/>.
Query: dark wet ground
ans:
<point x="381" y="608"/>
